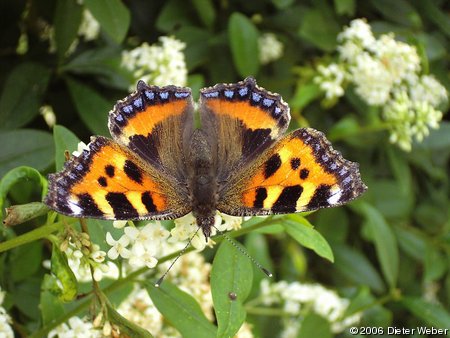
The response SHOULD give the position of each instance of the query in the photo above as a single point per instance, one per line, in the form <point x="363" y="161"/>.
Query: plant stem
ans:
<point x="31" y="236"/>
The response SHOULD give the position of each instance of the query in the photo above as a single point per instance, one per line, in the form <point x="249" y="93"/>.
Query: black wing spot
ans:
<point x="88" y="205"/>
<point x="102" y="181"/>
<point x="110" y="170"/>
<point x="320" y="197"/>
<point x="122" y="207"/>
<point x="287" y="201"/>
<point x="147" y="200"/>
<point x="261" y="195"/>
<point x="304" y="173"/>
<point x="295" y="163"/>
<point x="133" y="172"/>
<point x="272" y="165"/>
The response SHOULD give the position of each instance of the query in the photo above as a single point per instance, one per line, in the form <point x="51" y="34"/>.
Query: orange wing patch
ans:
<point x="141" y="112"/>
<point x="110" y="183"/>
<point x="143" y="123"/>
<point x="252" y="116"/>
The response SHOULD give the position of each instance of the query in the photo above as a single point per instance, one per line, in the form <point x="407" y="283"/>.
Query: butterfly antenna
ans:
<point x="159" y="282"/>
<point x="245" y="253"/>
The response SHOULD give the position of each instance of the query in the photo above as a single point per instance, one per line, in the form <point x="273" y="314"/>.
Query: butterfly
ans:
<point x="166" y="159"/>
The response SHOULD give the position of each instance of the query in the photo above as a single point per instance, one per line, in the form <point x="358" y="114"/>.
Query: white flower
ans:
<point x="6" y="330"/>
<point x="119" y="247"/>
<point x="359" y="32"/>
<point x="372" y="80"/>
<point x="48" y="114"/>
<point x="185" y="228"/>
<point x="158" y="65"/>
<point x="119" y="224"/>
<point x="298" y="298"/>
<point x="227" y="222"/>
<point x="408" y="119"/>
<point x="81" y="146"/>
<point x="89" y="27"/>
<point x="270" y="48"/>
<point x="428" y="89"/>
<point x="76" y="327"/>
<point x="399" y="58"/>
<point x="330" y="80"/>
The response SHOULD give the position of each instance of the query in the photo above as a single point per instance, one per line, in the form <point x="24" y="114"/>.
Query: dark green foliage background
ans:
<point x="388" y="247"/>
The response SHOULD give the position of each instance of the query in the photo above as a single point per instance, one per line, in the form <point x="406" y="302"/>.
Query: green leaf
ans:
<point x="304" y="94"/>
<point x="258" y="248"/>
<point x="27" y="261"/>
<point x="439" y="139"/>
<point x="434" y="314"/>
<point x="243" y="37"/>
<point x="231" y="282"/>
<point x="113" y="16"/>
<point x="92" y="108"/>
<point x="66" y="25"/>
<point x="400" y="11"/>
<point x="357" y="268"/>
<point x="22" y="95"/>
<point x="411" y="243"/>
<point x="16" y="175"/>
<point x="64" y="140"/>
<point x="436" y="263"/>
<point x="104" y="63"/>
<point x="174" y="14"/>
<point x="303" y="232"/>
<point x="62" y="283"/>
<point x="18" y="214"/>
<point x="181" y="310"/>
<point x="319" y="29"/>
<point x="51" y="307"/>
<point x="345" y="7"/>
<point x="25" y="147"/>
<point x="384" y="240"/>
<point x="315" y="326"/>
<point x="205" y="10"/>
<point x="440" y="17"/>
<point x="126" y="327"/>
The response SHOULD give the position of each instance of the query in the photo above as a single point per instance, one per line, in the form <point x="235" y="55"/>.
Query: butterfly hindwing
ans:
<point x="301" y="172"/>
<point x="242" y="120"/>
<point x="110" y="182"/>
<point x="153" y="122"/>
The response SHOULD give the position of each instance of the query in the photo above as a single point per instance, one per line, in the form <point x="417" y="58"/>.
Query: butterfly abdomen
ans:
<point x="202" y="180"/>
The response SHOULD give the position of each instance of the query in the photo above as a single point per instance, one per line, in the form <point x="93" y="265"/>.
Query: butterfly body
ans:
<point x="160" y="166"/>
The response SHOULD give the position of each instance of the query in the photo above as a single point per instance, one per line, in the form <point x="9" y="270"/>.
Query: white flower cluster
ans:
<point x="385" y="73"/>
<point x="89" y="28"/>
<point x="82" y="254"/>
<point x="158" y="64"/>
<point x="75" y="327"/>
<point x="139" y="246"/>
<point x="186" y="227"/>
<point x="270" y="48"/>
<point x="298" y="299"/>
<point x="330" y="80"/>
<point x="6" y="330"/>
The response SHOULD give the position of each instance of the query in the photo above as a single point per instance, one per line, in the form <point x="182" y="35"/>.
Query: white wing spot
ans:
<point x="334" y="199"/>
<point x="73" y="205"/>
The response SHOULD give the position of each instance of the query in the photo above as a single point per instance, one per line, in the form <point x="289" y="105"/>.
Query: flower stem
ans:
<point x="31" y="236"/>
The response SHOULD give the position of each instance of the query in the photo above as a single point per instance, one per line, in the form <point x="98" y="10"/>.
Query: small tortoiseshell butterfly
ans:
<point x="160" y="166"/>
